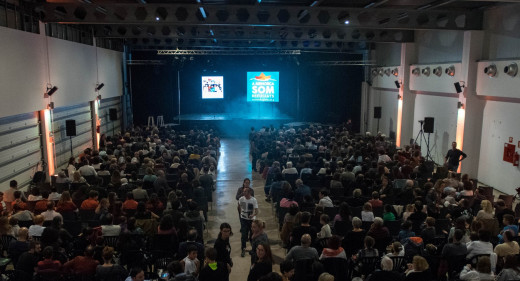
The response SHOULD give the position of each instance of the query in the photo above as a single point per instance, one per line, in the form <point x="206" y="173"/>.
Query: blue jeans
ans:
<point x="245" y="230"/>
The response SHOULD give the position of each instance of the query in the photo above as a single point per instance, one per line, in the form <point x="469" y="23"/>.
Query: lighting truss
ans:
<point x="228" y="52"/>
<point x="342" y="63"/>
<point x="145" y="62"/>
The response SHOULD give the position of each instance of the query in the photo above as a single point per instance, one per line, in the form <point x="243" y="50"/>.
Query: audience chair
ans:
<point x="5" y="241"/>
<point x="378" y="212"/>
<point x="338" y="267"/>
<point x="105" y="180"/>
<point x="112" y="241"/>
<point x="356" y="211"/>
<point x="74" y="227"/>
<point x="341" y="228"/>
<point x="20" y="275"/>
<point x="399" y="264"/>
<point x="291" y="178"/>
<point x="393" y="227"/>
<point x="60" y="187"/>
<point x="199" y="226"/>
<point x="80" y="277"/>
<point x="455" y="265"/>
<point x="442" y="224"/>
<point x="162" y="263"/>
<point x="366" y="225"/>
<point x="303" y="270"/>
<point x="25" y="223"/>
<point x="92" y="180"/>
<point x="132" y="258"/>
<point x="368" y="265"/>
<point x="165" y="243"/>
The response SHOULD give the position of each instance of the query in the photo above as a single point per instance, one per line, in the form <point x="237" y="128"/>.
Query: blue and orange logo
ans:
<point x="263" y="77"/>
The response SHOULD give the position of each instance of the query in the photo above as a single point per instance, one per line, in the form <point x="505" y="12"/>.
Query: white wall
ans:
<point x="25" y="71"/>
<point x="502" y="26"/>
<point x="438" y="46"/>
<point x="501" y="115"/>
<point x="387" y="99"/>
<point x="444" y="110"/>
<point x="390" y="56"/>
<point x="500" y="123"/>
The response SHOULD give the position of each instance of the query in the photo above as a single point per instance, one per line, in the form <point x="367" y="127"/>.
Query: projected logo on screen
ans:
<point x="212" y="87"/>
<point x="263" y="86"/>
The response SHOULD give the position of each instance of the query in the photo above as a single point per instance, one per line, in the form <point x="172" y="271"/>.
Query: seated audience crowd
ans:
<point x="348" y="206"/>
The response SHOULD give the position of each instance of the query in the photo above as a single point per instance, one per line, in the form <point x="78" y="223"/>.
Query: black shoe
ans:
<point x="268" y="199"/>
<point x="243" y="254"/>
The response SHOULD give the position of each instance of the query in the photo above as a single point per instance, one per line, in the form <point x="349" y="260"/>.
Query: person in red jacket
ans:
<point x="91" y="202"/>
<point x="84" y="265"/>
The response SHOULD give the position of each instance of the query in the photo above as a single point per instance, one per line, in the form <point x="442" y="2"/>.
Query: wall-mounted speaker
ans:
<point x="458" y="87"/>
<point x="428" y="124"/>
<point x="113" y="114"/>
<point x="377" y="112"/>
<point x="70" y="127"/>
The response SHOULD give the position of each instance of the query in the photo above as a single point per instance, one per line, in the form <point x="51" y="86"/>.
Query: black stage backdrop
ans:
<point x="329" y="94"/>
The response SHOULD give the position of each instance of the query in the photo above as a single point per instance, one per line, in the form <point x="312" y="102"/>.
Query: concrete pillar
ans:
<point x="49" y="154"/>
<point x="474" y="107"/>
<point x="408" y="57"/>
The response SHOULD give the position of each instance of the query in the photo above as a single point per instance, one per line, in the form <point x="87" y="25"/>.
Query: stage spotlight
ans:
<point x="490" y="70"/>
<point x="397" y="84"/>
<point x="458" y="87"/>
<point x="99" y="86"/>
<point x="511" y="69"/>
<point x="426" y="71"/>
<point x="450" y="70"/>
<point x="381" y="72"/>
<point x="50" y="91"/>
<point x="437" y="71"/>
<point x="387" y="72"/>
<point x="416" y="71"/>
<point x="460" y="105"/>
<point x="374" y="72"/>
<point x="395" y="72"/>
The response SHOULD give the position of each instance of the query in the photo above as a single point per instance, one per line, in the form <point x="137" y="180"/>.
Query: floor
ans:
<point x="235" y="165"/>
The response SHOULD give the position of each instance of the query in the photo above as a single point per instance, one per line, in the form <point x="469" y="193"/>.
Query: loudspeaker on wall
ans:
<point x="113" y="114"/>
<point x="428" y="124"/>
<point x="377" y="112"/>
<point x="70" y="127"/>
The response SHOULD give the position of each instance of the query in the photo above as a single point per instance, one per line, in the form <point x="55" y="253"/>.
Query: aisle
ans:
<point x="235" y="165"/>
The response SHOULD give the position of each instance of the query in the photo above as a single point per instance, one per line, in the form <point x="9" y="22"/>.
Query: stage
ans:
<point x="229" y="124"/>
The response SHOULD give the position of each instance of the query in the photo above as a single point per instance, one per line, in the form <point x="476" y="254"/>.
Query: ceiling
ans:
<point x="331" y="25"/>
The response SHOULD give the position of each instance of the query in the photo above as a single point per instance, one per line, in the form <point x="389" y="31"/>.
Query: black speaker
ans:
<point x="70" y="127"/>
<point x="428" y="124"/>
<point x="377" y="112"/>
<point x="458" y="87"/>
<point x="113" y="114"/>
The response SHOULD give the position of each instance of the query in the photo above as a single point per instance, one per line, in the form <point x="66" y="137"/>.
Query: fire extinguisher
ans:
<point x="516" y="159"/>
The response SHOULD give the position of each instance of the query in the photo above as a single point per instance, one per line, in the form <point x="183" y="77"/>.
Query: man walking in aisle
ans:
<point x="247" y="209"/>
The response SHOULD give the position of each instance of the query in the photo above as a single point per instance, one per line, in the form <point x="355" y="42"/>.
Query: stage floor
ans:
<point x="229" y="116"/>
<point x="229" y="124"/>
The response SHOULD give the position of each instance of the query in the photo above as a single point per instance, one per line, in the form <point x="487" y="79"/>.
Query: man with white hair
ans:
<point x="386" y="273"/>
<point x="289" y="170"/>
